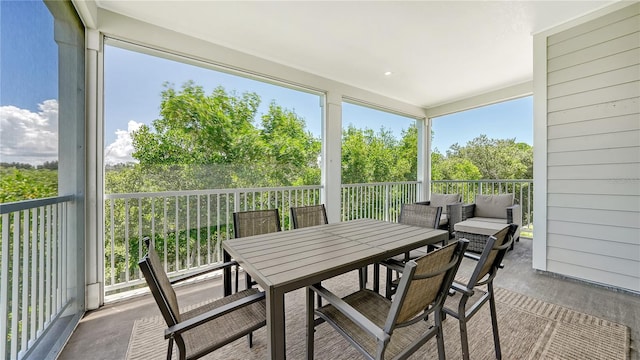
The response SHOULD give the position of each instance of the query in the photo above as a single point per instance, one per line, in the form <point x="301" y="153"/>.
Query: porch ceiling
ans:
<point x="437" y="51"/>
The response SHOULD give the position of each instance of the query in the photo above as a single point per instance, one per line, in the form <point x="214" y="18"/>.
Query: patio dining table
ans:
<point x="284" y="261"/>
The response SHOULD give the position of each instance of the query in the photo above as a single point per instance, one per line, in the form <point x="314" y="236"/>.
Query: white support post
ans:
<point x="424" y="158"/>
<point x="332" y="156"/>
<point x="539" y="252"/>
<point x="94" y="251"/>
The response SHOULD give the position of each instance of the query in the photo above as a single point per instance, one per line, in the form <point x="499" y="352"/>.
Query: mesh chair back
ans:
<point x="160" y="287"/>
<point x="420" y="215"/>
<point x="249" y="223"/>
<point x="425" y="282"/>
<point x="493" y="253"/>
<point x="304" y="216"/>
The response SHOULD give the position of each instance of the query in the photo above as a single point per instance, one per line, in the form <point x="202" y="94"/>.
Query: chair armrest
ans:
<point x="476" y="257"/>
<point x="468" y="210"/>
<point x="514" y="215"/>
<point x="454" y="215"/>
<point x="393" y="265"/>
<point x="461" y="288"/>
<point x="206" y="270"/>
<point x="351" y="313"/>
<point x="212" y="314"/>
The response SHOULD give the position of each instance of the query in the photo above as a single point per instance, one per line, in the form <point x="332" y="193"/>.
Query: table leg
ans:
<point x="226" y="274"/>
<point x="275" y="324"/>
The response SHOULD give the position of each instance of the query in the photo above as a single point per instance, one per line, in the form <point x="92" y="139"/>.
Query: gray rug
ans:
<point x="529" y="329"/>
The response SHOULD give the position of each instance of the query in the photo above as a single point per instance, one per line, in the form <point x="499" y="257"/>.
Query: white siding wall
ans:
<point x="593" y="150"/>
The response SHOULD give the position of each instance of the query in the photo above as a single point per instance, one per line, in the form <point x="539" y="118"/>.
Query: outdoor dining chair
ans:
<point x="254" y="222"/>
<point x="312" y="215"/>
<point x="380" y="328"/>
<point x="202" y="330"/>
<point x="417" y="215"/>
<point x="451" y="209"/>
<point x="485" y="271"/>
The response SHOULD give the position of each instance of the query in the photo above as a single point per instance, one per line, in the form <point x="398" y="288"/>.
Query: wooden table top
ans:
<point x="295" y="258"/>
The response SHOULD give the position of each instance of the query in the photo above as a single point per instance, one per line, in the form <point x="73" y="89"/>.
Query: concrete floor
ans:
<point x="104" y="333"/>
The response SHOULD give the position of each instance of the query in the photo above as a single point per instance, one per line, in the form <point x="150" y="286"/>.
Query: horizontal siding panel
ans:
<point x="595" y="171"/>
<point x="595" y="202"/>
<point x="595" y="187"/>
<point x="595" y="24"/>
<point x="628" y="219"/>
<point x="604" y="64"/>
<point x="595" y="127"/>
<point x="624" y="139"/>
<point x="594" y="82"/>
<point x="609" y="233"/>
<point x="597" y="261"/>
<point x="594" y="275"/>
<point x="599" y="96"/>
<point x="596" y="111"/>
<point x="600" y="171"/>
<point x="595" y="157"/>
<point x="595" y="246"/>
<point x="615" y="46"/>
<point x="596" y="37"/>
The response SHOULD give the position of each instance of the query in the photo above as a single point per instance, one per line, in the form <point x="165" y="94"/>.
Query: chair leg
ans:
<point x="247" y="279"/>
<point x="362" y="277"/>
<point x="376" y="277"/>
<point x="440" y="334"/>
<point x="310" y="323"/>
<point x="494" y="322"/>
<point x="318" y="297"/>
<point x="387" y="292"/>
<point x="170" y="349"/>
<point x="237" y="275"/>
<point x="462" y="321"/>
<point x="250" y="339"/>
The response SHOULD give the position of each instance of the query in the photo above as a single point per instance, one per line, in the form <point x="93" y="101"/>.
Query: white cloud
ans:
<point x="29" y="137"/>
<point x="120" y="150"/>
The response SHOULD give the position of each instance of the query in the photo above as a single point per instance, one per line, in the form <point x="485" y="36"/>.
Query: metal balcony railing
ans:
<point x="188" y="227"/>
<point x="34" y="271"/>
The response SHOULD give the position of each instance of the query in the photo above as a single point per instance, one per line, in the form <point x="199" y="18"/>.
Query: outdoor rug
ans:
<point x="529" y="329"/>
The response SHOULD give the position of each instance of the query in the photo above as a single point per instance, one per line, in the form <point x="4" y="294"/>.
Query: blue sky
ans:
<point x="28" y="83"/>
<point x="27" y="80"/>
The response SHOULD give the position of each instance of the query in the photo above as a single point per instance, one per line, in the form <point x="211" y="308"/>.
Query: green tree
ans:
<point x="292" y="151"/>
<point x="27" y="183"/>
<point x="496" y="158"/>
<point x="214" y="141"/>
<point x="407" y="155"/>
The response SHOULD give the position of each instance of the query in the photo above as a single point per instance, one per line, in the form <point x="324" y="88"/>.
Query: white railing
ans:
<point x="381" y="201"/>
<point x="522" y="190"/>
<point x="197" y="221"/>
<point x="34" y="269"/>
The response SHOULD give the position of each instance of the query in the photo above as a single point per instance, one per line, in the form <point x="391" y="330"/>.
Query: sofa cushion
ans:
<point x="444" y="199"/>
<point x="491" y="220"/>
<point x="493" y="206"/>
<point x="478" y="227"/>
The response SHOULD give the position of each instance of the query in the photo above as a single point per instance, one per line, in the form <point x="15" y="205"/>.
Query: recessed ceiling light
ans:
<point x="387" y="73"/>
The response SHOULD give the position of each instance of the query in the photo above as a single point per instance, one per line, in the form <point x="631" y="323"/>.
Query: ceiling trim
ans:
<point x="488" y="98"/>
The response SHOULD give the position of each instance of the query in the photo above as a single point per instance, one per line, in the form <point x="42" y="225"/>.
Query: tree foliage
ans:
<point x="17" y="184"/>
<point x="369" y="157"/>
<point x="496" y="158"/>
<point x="214" y="141"/>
